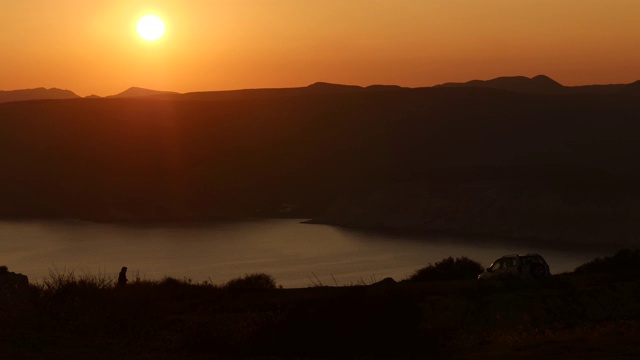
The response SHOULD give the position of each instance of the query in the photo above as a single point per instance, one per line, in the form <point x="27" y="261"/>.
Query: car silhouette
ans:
<point x="528" y="266"/>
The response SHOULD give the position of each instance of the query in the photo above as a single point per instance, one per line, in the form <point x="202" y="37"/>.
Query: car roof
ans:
<point x="522" y="255"/>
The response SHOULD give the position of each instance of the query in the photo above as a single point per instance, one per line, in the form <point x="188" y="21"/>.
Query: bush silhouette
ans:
<point x="461" y="268"/>
<point x="256" y="281"/>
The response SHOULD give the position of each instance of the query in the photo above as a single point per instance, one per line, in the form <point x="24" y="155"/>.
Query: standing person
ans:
<point x="122" y="277"/>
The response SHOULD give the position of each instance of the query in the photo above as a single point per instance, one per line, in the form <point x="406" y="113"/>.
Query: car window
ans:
<point x="510" y="262"/>
<point x="496" y="265"/>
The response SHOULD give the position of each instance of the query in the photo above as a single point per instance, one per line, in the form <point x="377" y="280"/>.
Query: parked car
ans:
<point x="528" y="266"/>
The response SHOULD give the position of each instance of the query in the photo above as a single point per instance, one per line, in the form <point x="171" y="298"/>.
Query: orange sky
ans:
<point x="91" y="47"/>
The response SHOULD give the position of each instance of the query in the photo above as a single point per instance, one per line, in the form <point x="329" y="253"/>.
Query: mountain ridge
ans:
<point x="136" y="92"/>
<point x="539" y="84"/>
<point x="39" y="93"/>
<point x="542" y="84"/>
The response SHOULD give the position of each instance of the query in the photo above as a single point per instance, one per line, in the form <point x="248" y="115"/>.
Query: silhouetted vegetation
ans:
<point x="256" y="281"/>
<point x="66" y="281"/>
<point x="72" y="315"/>
<point x="447" y="269"/>
<point x="169" y="281"/>
<point x="624" y="262"/>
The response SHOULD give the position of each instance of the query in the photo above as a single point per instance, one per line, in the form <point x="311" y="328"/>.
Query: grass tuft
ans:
<point x="57" y="281"/>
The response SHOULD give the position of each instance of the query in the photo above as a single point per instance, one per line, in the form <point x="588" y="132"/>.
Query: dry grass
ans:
<point x="250" y="317"/>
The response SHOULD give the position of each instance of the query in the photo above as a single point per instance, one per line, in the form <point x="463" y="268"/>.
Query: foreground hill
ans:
<point x="463" y="159"/>
<point x="588" y="315"/>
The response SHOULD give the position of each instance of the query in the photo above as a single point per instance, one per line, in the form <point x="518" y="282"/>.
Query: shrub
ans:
<point x="256" y="281"/>
<point x="624" y="261"/>
<point x="173" y="282"/>
<point x="449" y="268"/>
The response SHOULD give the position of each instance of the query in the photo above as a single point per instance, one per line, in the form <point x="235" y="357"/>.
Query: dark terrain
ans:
<point x="591" y="313"/>
<point x="467" y="159"/>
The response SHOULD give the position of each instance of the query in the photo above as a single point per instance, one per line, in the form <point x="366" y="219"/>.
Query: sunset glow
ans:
<point x="150" y="27"/>
<point x="92" y="47"/>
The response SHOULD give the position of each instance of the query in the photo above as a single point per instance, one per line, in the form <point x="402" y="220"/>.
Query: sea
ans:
<point x="295" y="253"/>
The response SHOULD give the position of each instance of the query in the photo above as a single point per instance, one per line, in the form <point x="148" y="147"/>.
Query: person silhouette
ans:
<point x="122" y="277"/>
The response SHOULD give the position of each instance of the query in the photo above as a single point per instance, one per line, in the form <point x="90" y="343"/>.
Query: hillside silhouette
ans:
<point x="271" y="93"/>
<point x="537" y="84"/>
<point x="134" y="92"/>
<point x="540" y="84"/>
<point x="36" y="94"/>
<point x="543" y="84"/>
<point x="460" y="159"/>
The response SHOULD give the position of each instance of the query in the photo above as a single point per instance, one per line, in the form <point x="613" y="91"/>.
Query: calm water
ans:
<point x="296" y="254"/>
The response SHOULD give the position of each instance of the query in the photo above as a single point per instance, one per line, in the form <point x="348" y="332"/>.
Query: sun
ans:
<point x="150" y="27"/>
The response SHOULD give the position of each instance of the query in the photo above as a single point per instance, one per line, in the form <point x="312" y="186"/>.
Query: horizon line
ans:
<point x="313" y="83"/>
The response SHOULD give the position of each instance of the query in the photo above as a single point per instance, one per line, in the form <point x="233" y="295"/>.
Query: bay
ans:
<point x="296" y="254"/>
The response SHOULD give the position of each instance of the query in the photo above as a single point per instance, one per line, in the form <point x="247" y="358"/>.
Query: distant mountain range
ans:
<point x="540" y="84"/>
<point x="537" y="84"/>
<point x="36" y="94"/>
<point x="135" y="92"/>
